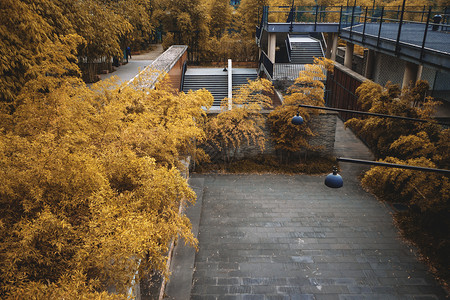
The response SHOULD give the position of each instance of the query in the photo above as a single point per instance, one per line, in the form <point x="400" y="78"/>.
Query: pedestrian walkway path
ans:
<point x="291" y="237"/>
<point x="136" y="64"/>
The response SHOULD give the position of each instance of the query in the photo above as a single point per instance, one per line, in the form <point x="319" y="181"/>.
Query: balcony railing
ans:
<point x="418" y="28"/>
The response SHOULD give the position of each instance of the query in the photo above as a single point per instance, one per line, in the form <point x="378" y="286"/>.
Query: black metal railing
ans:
<point x="267" y="63"/>
<point x="348" y="15"/>
<point x="183" y="75"/>
<point x="398" y="27"/>
<point x="288" y="48"/>
<point x="393" y="26"/>
<point x="299" y="14"/>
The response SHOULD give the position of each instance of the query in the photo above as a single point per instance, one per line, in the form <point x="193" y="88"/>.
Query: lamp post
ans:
<point x="370" y="114"/>
<point x="334" y="180"/>
<point x="291" y="17"/>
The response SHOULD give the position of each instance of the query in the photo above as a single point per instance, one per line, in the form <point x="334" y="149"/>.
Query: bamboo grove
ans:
<point x="90" y="177"/>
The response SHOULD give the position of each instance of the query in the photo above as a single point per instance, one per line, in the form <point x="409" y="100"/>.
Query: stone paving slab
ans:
<point x="291" y="237"/>
<point x="182" y="266"/>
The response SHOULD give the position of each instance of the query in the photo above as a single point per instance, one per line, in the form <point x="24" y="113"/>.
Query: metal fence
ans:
<point x="346" y="15"/>
<point x="341" y="92"/>
<point x="402" y="25"/>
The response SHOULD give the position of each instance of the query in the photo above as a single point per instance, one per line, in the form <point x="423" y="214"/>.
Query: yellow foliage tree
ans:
<point x="249" y="15"/>
<point x="220" y="12"/>
<point x="186" y="20"/>
<point x="381" y="133"/>
<point x="243" y="123"/>
<point x="307" y="89"/>
<point x="410" y="143"/>
<point x="90" y="190"/>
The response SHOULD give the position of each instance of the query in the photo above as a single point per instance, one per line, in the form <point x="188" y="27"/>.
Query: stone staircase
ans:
<point x="217" y="85"/>
<point x="304" y="49"/>
<point x="240" y="79"/>
<point x="215" y="81"/>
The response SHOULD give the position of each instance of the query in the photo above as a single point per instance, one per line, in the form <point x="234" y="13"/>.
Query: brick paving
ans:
<point x="291" y="237"/>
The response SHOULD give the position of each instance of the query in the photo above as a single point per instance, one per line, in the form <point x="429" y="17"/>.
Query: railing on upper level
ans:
<point x="395" y="29"/>
<point x="347" y="15"/>
<point x="300" y="14"/>
<point x="390" y="27"/>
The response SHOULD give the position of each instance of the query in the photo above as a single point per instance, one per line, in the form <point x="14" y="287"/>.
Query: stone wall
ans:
<point x="323" y="125"/>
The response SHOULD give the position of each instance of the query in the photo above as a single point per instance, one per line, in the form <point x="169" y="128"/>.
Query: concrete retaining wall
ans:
<point x="170" y="62"/>
<point x="323" y="125"/>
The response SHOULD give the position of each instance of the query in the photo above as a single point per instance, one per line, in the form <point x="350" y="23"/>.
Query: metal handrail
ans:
<point x="351" y="16"/>
<point x="372" y="114"/>
<point x="316" y="11"/>
<point x="392" y="165"/>
<point x="183" y="74"/>
<point x="383" y="18"/>
<point x="288" y="47"/>
<point x="267" y="63"/>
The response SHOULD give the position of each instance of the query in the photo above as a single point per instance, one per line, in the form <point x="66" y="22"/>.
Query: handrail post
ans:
<point x="425" y="34"/>
<point x="379" y="29"/>
<point x="230" y="85"/>
<point x="292" y="13"/>
<point x="315" y="21"/>
<point x="400" y="27"/>
<point x="340" y="19"/>
<point x="423" y="12"/>
<point x="351" y="22"/>
<point x="364" y="27"/>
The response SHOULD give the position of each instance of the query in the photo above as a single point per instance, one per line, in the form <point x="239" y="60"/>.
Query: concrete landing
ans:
<point x="291" y="237"/>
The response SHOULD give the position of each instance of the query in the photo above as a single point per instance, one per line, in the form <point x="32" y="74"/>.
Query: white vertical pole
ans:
<point x="272" y="43"/>
<point x="230" y="85"/>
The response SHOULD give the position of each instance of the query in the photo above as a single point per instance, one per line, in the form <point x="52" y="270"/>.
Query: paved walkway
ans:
<point x="136" y="64"/>
<point x="291" y="237"/>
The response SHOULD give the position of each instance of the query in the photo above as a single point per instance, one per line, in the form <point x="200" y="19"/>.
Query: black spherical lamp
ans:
<point x="297" y="120"/>
<point x="334" y="180"/>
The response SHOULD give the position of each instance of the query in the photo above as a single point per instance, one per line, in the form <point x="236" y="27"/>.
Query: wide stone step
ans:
<point x="304" y="52"/>
<point x="243" y="79"/>
<point x="216" y="84"/>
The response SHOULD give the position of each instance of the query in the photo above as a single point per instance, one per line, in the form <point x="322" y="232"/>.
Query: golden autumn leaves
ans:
<point x="90" y="178"/>
<point x="404" y="142"/>
<point x="90" y="186"/>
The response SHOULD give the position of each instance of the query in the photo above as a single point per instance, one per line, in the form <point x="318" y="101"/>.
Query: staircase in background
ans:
<point x="216" y="81"/>
<point x="216" y="84"/>
<point x="240" y="79"/>
<point x="304" y="49"/>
